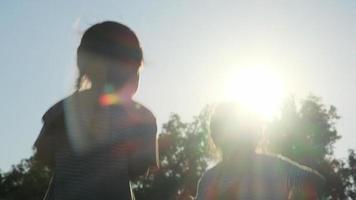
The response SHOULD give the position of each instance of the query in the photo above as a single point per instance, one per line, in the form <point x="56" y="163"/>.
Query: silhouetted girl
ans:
<point x="97" y="140"/>
<point x="245" y="174"/>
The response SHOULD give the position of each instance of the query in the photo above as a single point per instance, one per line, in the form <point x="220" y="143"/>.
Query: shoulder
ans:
<point x="135" y="118"/>
<point x="57" y="110"/>
<point x="53" y="112"/>
<point x="209" y="175"/>
<point x="208" y="182"/>
<point x="292" y="164"/>
<point x="52" y="119"/>
<point x="276" y="159"/>
<point x="142" y="109"/>
<point x="140" y="113"/>
<point x="291" y="167"/>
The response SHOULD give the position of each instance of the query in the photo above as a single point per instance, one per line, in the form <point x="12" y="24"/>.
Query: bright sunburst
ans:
<point x="257" y="88"/>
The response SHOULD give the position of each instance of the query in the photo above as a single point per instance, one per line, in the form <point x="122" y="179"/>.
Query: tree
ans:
<point x="184" y="156"/>
<point x="348" y="173"/>
<point x="307" y="134"/>
<point x="27" y="180"/>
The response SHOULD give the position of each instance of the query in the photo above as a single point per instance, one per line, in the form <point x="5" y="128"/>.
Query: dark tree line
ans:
<point x="304" y="132"/>
<point x="27" y="180"/>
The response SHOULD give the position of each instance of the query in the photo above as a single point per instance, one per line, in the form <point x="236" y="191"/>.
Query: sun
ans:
<point x="257" y="88"/>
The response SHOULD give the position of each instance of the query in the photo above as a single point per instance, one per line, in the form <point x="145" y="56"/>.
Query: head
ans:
<point x="234" y="129"/>
<point x="110" y="54"/>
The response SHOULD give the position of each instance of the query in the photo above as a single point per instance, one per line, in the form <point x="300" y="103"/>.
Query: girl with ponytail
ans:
<point x="98" y="139"/>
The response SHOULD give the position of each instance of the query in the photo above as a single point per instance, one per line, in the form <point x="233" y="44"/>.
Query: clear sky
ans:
<point x="190" y="47"/>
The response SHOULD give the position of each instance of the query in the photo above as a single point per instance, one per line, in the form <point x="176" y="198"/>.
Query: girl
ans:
<point x="97" y="140"/>
<point x="245" y="174"/>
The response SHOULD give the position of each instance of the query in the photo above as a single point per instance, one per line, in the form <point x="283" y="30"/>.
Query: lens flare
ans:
<point x="109" y="99"/>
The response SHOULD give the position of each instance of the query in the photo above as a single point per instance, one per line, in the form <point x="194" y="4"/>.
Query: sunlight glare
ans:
<point x="257" y="89"/>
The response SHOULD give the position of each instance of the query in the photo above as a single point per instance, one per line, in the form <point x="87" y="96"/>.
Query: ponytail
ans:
<point x="78" y="82"/>
<point x="82" y="82"/>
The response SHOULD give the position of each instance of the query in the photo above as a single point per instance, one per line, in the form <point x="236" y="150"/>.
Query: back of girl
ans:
<point x="245" y="174"/>
<point x="98" y="139"/>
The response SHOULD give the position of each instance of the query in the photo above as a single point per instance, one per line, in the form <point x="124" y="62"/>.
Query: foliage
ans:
<point x="347" y="172"/>
<point x="184" y="156"/>
<point x="27" y="180"/>
<point x="307" y="134"/>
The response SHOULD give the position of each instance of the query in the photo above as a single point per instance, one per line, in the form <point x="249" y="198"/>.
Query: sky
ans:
<point x="190" y="47"/>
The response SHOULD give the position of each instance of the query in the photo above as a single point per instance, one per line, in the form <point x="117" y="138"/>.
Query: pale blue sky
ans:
<point x="189" y="47"/>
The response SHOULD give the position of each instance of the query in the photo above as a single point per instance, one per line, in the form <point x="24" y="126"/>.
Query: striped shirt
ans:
<point x="266" y="177"/>
<point x="94" y="152"/>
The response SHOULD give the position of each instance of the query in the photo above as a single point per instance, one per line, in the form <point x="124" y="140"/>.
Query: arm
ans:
<point x="45" y="143"/>
<point x="143" y="153"/>
<point x="44" y="146"/>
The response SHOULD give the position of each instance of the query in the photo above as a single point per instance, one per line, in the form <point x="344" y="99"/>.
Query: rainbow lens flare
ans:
<point x="109" y="99"/>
